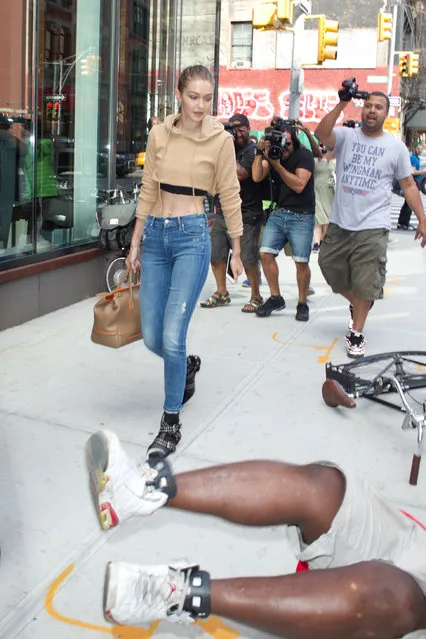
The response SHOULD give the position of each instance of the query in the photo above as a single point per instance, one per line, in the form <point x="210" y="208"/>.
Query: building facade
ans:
<point x="79" y="80"/>
<point x="255" y="65"/>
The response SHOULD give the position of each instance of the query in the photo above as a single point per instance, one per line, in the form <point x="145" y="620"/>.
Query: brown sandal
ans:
<point x="217" y="299"/>
<point x="253" y="305"/>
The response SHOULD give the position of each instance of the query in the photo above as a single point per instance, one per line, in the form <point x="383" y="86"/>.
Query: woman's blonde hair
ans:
<point x="195" y="72"/>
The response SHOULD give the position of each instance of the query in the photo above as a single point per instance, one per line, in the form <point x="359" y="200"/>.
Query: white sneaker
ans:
<point x="355" y="345"/>
<point x="119" y="487"/>
<point x="138" y="595"/>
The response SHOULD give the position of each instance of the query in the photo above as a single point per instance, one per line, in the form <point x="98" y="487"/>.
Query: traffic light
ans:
<point x="327" y="39"/>
<point x="285" y="11"/>
<point x="403" y="65"/>
<point x="49" y="110"/>
<point x="384" y="26"/>
<point x="413" y="63"/>
<point x="56" y="110"/>
<point x="265" y="16"/>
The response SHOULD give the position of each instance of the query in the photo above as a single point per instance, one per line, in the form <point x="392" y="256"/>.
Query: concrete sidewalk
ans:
<point x="258" y="396"/>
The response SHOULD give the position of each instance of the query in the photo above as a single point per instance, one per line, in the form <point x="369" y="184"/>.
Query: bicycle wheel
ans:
<point x="115" y="272"/>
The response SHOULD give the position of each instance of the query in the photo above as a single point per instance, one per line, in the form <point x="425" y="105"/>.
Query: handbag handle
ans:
<point x="129" y="276"/>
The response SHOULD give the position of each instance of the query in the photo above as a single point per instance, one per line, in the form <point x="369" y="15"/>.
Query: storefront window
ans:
<point x="62" y="88"/>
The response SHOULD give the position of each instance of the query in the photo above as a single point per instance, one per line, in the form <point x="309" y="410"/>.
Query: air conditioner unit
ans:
<point x="241" y="64"/>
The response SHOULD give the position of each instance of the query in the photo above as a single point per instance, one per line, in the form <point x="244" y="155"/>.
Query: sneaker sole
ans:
<point x="355" y="355"/>
<point x="97" y="459"/>
<point x="110" y="590"/>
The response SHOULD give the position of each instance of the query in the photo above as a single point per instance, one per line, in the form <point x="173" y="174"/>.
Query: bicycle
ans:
<point x="398" y="374"/>
<point x="116" y="220"/>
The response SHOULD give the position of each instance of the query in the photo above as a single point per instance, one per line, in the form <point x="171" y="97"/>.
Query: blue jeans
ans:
<point x="289" y="226"/>
<point x="175" y="263"/>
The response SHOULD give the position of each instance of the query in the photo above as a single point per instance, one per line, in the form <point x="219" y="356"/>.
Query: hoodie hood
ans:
<point x="210" y="127"/>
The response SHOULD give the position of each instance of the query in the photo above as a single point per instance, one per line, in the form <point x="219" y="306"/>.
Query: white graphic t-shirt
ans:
<point x="365" y="168"/>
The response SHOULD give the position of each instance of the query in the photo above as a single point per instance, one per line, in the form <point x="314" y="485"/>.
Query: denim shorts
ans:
<point x="288" y="226"/>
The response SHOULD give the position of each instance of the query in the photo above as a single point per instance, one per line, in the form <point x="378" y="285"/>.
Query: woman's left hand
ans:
<point x="236" y="267"/>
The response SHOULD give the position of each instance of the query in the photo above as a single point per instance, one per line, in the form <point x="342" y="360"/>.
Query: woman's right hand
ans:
<point x="133" y="260"/>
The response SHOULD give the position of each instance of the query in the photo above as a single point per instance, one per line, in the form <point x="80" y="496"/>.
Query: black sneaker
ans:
<point x="302" y="313"/>
<point x="167" y="439"/>
<point x="193" y="365"/>
<point x="273" y="303"/>
<point x="316" y="248"/>
<point x="355" y="345"/>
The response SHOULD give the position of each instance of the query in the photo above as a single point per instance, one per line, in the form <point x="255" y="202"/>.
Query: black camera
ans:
<point x="275" y="138"/>
<point x="281" y="124"/>
<point x="350" y="91"/>
<point x="231" y="128"/>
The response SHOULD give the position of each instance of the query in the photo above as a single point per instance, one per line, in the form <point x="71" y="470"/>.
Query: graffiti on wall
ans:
<point x="261" y="104"/>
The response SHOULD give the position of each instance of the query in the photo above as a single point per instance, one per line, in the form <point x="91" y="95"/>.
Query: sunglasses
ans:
<point x="286" y="144"/>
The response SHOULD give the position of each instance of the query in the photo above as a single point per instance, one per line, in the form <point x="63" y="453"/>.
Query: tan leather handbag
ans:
<point x="117" y="319"/>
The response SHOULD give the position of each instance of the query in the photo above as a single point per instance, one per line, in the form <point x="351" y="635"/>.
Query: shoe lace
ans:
<point x="155" y="591"/>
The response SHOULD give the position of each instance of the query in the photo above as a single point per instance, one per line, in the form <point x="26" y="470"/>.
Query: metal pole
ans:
<point x="34" y="118"/>
<point x="392" y="47"/>
<point x="217" y="57"/>
<point x="113" y="93"/>
<point x="296" y="72"/>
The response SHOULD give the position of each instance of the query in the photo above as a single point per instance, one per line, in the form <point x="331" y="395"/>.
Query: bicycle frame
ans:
<point x="384" y="382"/>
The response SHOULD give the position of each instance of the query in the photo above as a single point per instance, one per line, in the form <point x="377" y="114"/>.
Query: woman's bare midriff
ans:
<point x="172" y="205"/>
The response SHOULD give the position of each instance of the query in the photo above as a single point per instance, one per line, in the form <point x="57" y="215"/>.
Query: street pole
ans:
<point x="296" y="72"/>
<point x="392" y="46"/>
<point x="216" y="63"/>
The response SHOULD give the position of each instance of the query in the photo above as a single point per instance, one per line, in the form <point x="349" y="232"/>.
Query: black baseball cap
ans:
<point x="239" y="120"/>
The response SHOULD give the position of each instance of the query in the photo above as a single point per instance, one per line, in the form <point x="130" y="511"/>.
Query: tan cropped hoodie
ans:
<point x="206" y="162"/>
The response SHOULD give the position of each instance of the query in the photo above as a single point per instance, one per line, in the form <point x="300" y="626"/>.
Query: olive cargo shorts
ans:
<point x="355" y="261"/>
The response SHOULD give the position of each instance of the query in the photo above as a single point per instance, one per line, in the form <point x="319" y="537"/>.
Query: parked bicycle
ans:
<point x="116" y="219"/>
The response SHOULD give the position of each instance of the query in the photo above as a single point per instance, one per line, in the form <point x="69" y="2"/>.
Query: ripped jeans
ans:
<point x="175" y="263"/>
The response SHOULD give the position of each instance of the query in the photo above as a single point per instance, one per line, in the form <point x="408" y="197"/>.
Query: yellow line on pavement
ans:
<point x="322" y="359"/>
<point x="56" y="615"/>
<point x="213" y="626"/>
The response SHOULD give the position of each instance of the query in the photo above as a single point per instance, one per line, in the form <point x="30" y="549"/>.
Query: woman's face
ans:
<point x="196" y="100"/>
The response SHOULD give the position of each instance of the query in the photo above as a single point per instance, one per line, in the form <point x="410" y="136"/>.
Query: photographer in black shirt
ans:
<point x="252" y="211"/>
<point x="293" y="219"/>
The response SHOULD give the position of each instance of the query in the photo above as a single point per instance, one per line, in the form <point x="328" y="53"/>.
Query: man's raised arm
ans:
<point x="324" y="131"/>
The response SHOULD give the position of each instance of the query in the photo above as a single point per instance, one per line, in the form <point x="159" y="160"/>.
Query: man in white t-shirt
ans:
<point x="353" y="254"/>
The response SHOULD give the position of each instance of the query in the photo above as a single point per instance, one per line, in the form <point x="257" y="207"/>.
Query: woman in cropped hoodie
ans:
<point x="187" y="157"/>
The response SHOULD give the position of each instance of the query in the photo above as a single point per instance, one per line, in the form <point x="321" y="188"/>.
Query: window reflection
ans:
<point x="55" y="108"/>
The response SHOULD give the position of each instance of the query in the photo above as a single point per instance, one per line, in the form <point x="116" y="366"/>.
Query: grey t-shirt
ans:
<point x="365" y="168"/>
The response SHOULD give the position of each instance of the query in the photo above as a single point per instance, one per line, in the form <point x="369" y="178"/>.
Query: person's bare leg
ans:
<point x="361" y="601"/>
<point x="270" y="269"/>
<point x="219" y="272"/>
<point x="265" y="493"/>
<point x="253" y="276"/>
<point x="361" y="308"/>
<point x="317" y="234"/>
<point x="303" y="276"/>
